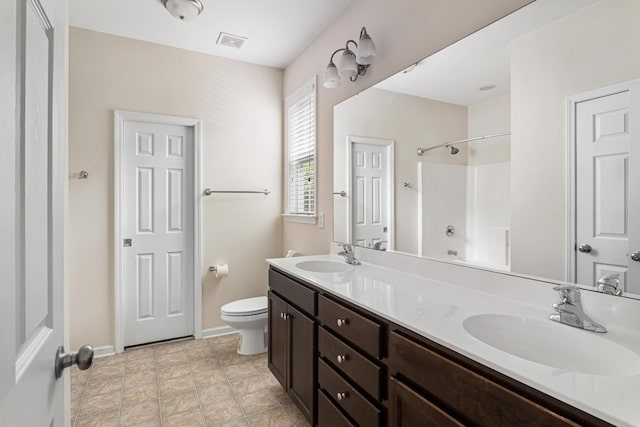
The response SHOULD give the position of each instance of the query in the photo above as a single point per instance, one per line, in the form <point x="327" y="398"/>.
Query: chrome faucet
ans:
<point x="380" y="245"/>
<point x="570" y="311"/>
<point x="609" y="284"/>
<point x="348" y="254"/>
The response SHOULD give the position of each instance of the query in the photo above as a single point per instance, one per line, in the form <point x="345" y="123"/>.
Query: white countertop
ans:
<point x="436" y="310"/>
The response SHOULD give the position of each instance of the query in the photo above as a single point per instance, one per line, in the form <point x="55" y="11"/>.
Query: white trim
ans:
<point x="219" y="331"/>
<point x="570" y="219"/>
<point x="121" y="116"/>
<point x="104" y="351"/>
<point x="390" y="144"/>
<point x="304" y="219"/>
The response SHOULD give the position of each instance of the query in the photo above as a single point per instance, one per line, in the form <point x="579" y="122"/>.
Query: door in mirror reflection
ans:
<point x="372" y="192"/>
<point x="605" y="218"/>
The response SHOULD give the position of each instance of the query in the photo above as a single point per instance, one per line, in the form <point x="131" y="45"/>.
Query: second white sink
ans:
<point x="324" y="266"/>
<point x="554" y="345"/>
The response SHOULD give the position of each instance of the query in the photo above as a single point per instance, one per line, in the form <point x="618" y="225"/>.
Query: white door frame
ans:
<point x="120" y="117"/>
<point x="572" y="102"/>
<point x="390" y="144"/>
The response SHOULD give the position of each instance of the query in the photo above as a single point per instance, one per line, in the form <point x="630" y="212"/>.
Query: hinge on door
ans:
<point x="126" y="243"/>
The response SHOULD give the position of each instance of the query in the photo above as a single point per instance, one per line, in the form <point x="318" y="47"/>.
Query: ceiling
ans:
<point x="456" y="74"/>
<point x="276" y="30"/>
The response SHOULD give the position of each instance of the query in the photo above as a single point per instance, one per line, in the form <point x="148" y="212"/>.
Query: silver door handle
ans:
<point x="585" y="249"/>
<point x="635" y="256"/>
<point x="83" y="358"/>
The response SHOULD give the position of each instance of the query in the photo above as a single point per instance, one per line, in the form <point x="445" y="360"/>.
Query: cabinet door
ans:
<point x="302" y="360"/>
<point x="278" y="338"/>
<point x="407" y="408"/>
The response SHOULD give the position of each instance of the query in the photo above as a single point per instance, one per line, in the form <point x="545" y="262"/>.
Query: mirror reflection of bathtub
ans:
<point x="552" y="79"/>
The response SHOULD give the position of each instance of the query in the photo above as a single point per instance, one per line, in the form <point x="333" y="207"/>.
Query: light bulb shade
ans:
<point x="331" y="76"/>
<point x="347" y="64"/>
<point x="185" y="10"/>
<point x="366" y="52"/>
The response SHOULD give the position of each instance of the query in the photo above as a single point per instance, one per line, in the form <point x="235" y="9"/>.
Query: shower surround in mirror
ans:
<point x="511" y="199"/>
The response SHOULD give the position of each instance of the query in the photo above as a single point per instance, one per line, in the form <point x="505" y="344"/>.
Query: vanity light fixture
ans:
<point x="351" y="65"/>
<point x="184" y="10"/>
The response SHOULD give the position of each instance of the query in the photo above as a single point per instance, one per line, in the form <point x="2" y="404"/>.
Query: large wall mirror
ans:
<point x="516" y="149"/>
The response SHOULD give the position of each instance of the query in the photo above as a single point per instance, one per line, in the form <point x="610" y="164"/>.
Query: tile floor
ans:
<point x="186" y="383"/>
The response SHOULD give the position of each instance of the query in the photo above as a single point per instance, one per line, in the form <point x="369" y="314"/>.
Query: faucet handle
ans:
<point x="570" y="293"/>
<point x="346" y="246"/>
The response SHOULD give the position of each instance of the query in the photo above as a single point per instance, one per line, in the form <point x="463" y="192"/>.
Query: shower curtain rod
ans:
<point x="421" y="151"/>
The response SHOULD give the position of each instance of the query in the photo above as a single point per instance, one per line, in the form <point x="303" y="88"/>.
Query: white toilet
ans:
<point x="249" y="317"/>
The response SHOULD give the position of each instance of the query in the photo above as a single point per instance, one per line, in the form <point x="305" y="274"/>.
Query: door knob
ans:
<point x="635" y="256"/>
<point x="585" y="249"/>
<point x="83" y="358"/>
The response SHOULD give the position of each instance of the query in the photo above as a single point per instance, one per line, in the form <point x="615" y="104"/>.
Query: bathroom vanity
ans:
<point x="370" y="346"/>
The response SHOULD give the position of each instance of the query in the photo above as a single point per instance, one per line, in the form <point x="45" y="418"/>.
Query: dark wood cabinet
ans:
<point x="407" y="408"/>
<point x="292" y="341"/>
<point x="301" y="358"/>
<point x="345" y="366"/>
<point x="277" y="354"/>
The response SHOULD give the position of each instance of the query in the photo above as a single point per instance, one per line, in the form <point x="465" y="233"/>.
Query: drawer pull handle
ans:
<point x="341" y="322"/>
<point x="341" y="358"/>
<point x="341" y="396"/>
<point x="282" y="316"/>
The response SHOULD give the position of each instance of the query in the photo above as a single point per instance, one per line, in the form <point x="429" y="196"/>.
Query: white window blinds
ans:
<point x="301" y="150"/>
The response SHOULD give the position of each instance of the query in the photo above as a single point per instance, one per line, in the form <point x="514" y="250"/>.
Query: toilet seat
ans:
<point x="246" y="307"/>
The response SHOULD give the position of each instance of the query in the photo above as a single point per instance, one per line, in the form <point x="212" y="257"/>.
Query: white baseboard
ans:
<point x="104" y="351"/>
<point x="215" y="332"/>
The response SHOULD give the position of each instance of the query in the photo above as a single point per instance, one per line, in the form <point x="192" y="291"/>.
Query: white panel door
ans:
<point x="33" y="116"/>
<point x="371" y="181"/>
<point x="158" y="219"/>
<point x="604" y="190"/>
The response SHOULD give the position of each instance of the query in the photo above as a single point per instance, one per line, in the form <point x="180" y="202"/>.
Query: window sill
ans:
<point x="304" y="219"/>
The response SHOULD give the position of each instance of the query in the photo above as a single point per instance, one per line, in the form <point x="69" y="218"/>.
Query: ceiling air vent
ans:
<point x="230" y="40"/>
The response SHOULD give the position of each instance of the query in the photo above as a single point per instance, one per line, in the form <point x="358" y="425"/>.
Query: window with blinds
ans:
<point x="301" y="151"/>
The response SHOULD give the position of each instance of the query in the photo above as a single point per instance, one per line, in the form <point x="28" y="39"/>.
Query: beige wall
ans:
<point x="411" y="122"/>
<point x="241" y="108"/>
<point x="404" y="31"/>
<point x="589" y="49"/>
<point x="489" y="118"/>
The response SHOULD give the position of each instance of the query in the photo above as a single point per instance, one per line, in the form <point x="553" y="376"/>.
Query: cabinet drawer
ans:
<point x="297" y="294"/>
<point x="329" y="415"/>
<point x="352" y="402"/>
<point x="352" y="326"/>
<point x="408" y="408"/>
<point x="473" y="397"/>
<point x="365" y="373"/>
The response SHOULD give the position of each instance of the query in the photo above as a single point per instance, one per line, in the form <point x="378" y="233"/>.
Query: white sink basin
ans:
<point x="554" y="345"/>
<point x="324" y="266"/>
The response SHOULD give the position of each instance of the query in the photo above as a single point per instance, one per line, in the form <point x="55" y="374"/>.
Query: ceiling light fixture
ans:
<point x="351" y="65"/>
<point x="184" y="10"/>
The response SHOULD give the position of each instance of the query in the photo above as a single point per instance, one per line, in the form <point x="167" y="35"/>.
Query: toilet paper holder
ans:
<point x="219" y="270"/>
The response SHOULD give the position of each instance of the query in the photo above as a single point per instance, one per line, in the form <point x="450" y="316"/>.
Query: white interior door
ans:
<point x="158" y="266"/>
<point x="372" y="192"/>
<point x="33" y="116"/>
<point x="604" y="191"/>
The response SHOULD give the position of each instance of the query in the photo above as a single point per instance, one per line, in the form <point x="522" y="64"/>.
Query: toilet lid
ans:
<point x="246" y="307"/>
